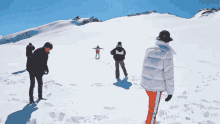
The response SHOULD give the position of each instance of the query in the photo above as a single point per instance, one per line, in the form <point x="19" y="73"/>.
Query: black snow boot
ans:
<point x="31" y="102"/>
<point x="42" y="99"/>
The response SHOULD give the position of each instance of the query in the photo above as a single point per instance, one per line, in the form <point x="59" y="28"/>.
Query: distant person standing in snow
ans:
<point x="158" y="73"/>
<point x="37" y="67"/>
<point x="119" y="56"/>
<point x="97" y="51"/>
<point x="29" y="50"/>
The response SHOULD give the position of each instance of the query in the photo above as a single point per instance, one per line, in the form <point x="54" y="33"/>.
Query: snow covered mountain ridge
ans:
<point x="77" y="21"/>
<point x="205" y="12"/>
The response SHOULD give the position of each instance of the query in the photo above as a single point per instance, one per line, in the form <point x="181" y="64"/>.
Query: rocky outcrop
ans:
<point x="147" y="12"/>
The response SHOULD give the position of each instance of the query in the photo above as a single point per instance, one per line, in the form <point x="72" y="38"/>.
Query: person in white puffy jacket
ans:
<point x="157" y="73"/>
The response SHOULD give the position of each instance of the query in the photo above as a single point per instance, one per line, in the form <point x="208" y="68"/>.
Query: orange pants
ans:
<point x="154" y="100"/>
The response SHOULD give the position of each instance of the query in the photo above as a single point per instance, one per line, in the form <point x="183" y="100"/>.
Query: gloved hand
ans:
<point x="168" y="98"/>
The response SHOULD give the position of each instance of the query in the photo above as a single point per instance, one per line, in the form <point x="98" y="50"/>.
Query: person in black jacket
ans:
<point x="37" y="67"/>
<point x="119" y="55"/>
<point x="29" y="50"/>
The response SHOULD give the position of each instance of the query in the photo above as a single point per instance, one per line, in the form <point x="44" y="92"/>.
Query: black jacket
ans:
<point x="29" y="49"/>
<point x="118" y="53"/>
<point x="37" y="63"/>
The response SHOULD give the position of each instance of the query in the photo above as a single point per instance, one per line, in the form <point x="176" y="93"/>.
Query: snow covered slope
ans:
<point x="80" y="88"/>
<point x="205" y="12"/>
<point x="44" y="28"/>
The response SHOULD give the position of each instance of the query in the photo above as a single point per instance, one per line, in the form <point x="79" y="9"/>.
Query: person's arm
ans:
<point x="113" y="52"/>
<point x="168" y="73"/>
<point x="125" y="52"/>
<point x="33" y="48"/>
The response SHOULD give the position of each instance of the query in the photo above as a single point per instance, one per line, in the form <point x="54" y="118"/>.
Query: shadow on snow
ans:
<point x="23" y="116"/>
<point x="123" y="84"/>
<point x="18" y="72"/>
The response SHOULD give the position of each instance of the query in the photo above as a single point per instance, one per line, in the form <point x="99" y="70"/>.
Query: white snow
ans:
<point x="79" y="88"/>
<point x="42" y="29"/>
<point x="204" y="13"/>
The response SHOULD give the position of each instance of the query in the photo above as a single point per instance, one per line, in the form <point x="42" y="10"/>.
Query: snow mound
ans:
<point x="205" y="12"/>
<point x="15" y="37"/>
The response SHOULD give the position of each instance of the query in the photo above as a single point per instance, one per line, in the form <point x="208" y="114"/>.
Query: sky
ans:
<point x="19" y="15"/>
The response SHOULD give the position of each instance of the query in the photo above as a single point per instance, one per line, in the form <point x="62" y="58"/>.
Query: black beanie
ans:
<point x="48" y="45"/>
<point x="119" y="43"/>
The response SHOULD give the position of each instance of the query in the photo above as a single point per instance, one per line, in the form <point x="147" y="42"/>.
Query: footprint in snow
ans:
<point x="48" y="95"/>
<point x="186" y="105"/>
<point x="213" y="108"/>
<point x="198" y="91"/>
<point x="45" y="86"/>
<point x="188" y="118"/>
<point x="161" y="113"/>
<point x="174" y="107"/>
<point x="206" y="122"/>
<point x="12" y="94"/>
<point x="173" y="116"/>
<point x="57" y="84"/>
<point x="61" y="116"/>
<point x="216" y="102"/>
<point x="100" y="117"/>
<point x="52" y="114"/>
<point x="109" y="108"/>
<point x="73" y="84"/>
<point x="98" y="84"/>
<point x="75" y="119"/>
<point x="14" y="99"/>
<point x="49" y="104"/>
<point x="33" y="121"/>
<point x="199" y="105"/>
<point x="184" y="97"/>
<point x="206" y="114"/>
<point x="204" y="100"/>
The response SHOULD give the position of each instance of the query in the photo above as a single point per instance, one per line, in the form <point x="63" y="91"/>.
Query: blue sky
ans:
<point x="19" y="15"/>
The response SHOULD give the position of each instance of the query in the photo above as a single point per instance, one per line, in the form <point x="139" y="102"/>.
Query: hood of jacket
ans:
<point x="165" y="46"/>
<point x="119" y="48"/>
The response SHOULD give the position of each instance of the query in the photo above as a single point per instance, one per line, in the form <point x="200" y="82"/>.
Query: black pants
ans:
<point x="117" y="68"/>
<point x="40" y="83"/>
<point x="96" y="55"/>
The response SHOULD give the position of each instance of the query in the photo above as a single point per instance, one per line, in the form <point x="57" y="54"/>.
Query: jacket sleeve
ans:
<point x="113" y="52"/>
<point x="46" y="69"/>
<point x="125" y="52"/>
<point x="33" y="48"/>
<point x="169" y="74"/>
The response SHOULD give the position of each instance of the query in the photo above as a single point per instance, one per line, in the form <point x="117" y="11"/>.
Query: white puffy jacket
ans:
<point x="158" y="63"/>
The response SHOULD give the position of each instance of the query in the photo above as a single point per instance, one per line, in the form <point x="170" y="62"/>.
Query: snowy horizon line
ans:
<point x="136" y="14"/>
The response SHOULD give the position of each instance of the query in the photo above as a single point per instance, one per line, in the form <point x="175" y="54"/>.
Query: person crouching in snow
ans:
<point x="119" y="55"/>
<point x="158" y="73"/>
<point x="97" y="51"/>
